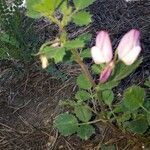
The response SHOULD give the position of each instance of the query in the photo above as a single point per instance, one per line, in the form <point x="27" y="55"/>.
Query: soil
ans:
<point x="29" y="96"/>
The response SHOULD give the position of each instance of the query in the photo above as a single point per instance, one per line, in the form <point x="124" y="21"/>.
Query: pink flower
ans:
<point x="102" y="51"/>
<point x="129" y="47"/>
<point x="105" y="74"/>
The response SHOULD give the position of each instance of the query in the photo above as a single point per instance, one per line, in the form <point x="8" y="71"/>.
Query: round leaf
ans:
<point x="83" y="113"/>
<point x="85" y="131"/>
<point x="82" y="95"/>
<point x="139" y="125"/>
<point x="83" y="82"/>
<point x="108" y="97"/>
<point x="134" y="97"/>
<point x="67" y="124"/>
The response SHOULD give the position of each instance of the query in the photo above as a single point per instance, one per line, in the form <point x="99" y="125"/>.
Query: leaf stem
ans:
<point x="144" y="109"/>
<point x="84" y="68"/>
<point x="92" y="122"/>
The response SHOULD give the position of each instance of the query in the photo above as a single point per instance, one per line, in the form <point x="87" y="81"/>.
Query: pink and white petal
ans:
<point x="107" y="50"/>
<point x="105" y="74"/>
<point x="97" y="55"/>
<point x="100" y="38"/>
<point x="131" y="56"/>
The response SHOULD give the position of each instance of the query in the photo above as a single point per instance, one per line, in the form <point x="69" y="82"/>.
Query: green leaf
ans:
<point x="82" y="18"/>
<point x="86" y="53"/>
<point x="6" y="38"/>
<point x="30" y="10"/>
<point x="138" y="126"/>
<point x="133" y="97"/>
<point x="54" y="53"/>
<point x="67" y="124"/>
<point x="40" y="8"/>
<point x="83" y="82"/>
<point x="125" y="117"/>
<point x="82" y="96"/>
<point x="3" y="53"/>
<point x="81" y="4"/>
<point x="122" y="70"/>
<point x="74" y="44"/>
<point x="86" y="37"/>
<point x="83" y="113"/>
<point x="108" y="97"/>
<point x="85" y="131"/>
<point x="97" y="68"/>
<point x="108" y="85"/>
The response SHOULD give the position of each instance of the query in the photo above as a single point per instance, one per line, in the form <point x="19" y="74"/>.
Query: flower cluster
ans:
<point x="127" y="50"/>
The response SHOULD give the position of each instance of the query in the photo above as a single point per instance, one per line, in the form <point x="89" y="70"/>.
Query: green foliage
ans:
<point x="18" y="39"/>
<point x="83" y="82"/>
<point x="139" y="125"/>
<point x="85" y="131"/>
<point x="66" y="123"/>
<point x="31" y="11"/>
<point x="56" y="53"/>
<point x="122" y="70"/>
<point x="83" y="113"/>
<point x="74" y="44"/>
<point x="82" y="18"/>
<point x="80" y="4"/>
<point x="85" y="53"/>
<point x="134" y="97"/>
<point x="39" y="8"/>
<point x="108" y="97"/>
<point x="82" y="96"/>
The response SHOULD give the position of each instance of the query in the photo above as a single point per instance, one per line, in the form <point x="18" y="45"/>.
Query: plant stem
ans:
<point x="145" y="109"/>
<point x="84" y="68"/>
<point x="92" y="122"/>
<point x="86" y="72"/>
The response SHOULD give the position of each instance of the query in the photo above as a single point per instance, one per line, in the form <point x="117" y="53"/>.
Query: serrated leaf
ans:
<point x="139" y="125"/>
<point x="82" y="18"/>
<point x="83" y="113"/>
<point x="74" y="44"/>
<point x="30" y="10"/>
<point x="108" y="97"/>
<point x="40" y="8"/>
<point x="82" y="96"/>
<point x="81" y="4"/>
<point x="85" y="131"/>
<point x="67" y="124"/>
<point x="83" y="82"/>
<point x="54" y="53"/>
<point x="133" y="97"/>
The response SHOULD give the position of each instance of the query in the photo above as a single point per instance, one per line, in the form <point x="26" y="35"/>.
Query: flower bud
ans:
<point x="44" y="61"/>
<point x="105" y="74"/>
<point x="129" y="47"/>
<point x="102" y="52"/>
